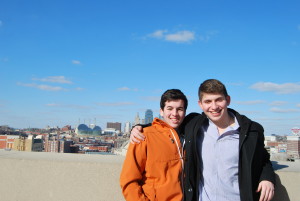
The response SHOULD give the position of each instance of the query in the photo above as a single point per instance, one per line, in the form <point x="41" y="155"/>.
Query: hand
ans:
<point x="136" y="135"/>
<point x="266" y="190"/>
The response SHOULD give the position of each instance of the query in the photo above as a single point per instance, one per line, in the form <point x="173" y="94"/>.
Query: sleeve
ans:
<point x="267" y="169"/>
<point x="133" y="171"/>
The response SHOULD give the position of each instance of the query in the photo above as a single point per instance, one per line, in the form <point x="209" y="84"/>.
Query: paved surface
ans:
<point x="35" y="176"/>
<point x="286" y="166"/>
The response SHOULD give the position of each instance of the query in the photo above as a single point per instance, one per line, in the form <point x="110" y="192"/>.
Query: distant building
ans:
<point x="85" y="131"/>
<point x="54" y="144"/>
<point x="97" y="149"/>
<point x="65" y="146"/>
<point x="111" y="132"/>
<point x="28" y="144"/>
<point x="137" y="119"/>
<point x="66" y="128"/>
<point x="119" y="142"/>
<point x="293" y="146"/>
<point x="51" y="144"/>
<point x="148" y="116"/>
<point x="115" y="125"/>
<point x="7" y="141"/>
<point x="122" y="150"/>
<point x="127" y="128"/>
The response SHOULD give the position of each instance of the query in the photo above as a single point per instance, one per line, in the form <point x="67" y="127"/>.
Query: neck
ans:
<point x="228" y="120"/>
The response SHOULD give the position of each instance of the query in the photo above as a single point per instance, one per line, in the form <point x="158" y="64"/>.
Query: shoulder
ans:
<point x="192" y="117"/>
<point x="152" y="130"/>
<point x="256" y="126"/>
<point x="245" y="121"/>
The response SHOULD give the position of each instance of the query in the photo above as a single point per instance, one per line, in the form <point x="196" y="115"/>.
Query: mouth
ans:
<point x="174" y="121"/>
<point x="216" y="113"/>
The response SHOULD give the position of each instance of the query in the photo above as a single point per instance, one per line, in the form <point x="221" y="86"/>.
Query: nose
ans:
<point x="174" y="112"/>
<point x="214" y="105"/>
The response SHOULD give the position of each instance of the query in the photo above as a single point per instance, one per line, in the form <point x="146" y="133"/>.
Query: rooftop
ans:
<point x="46" y="176"/>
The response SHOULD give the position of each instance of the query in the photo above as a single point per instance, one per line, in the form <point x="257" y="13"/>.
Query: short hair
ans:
<point x="171" y="95"/>
<point x="212" y="86"/>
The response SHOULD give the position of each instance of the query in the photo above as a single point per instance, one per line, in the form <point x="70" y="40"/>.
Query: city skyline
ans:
<point x="62" y="61"/>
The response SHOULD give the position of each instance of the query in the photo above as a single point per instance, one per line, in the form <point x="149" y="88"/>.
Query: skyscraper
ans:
<point x="137" y="119"/>
<point x="127" y="128"/>
<point x="148" y="116"/>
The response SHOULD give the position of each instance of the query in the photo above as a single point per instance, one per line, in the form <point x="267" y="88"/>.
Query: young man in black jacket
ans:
<point x="225" y="158"/>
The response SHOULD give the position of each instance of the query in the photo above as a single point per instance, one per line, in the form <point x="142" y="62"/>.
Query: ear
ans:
<point x="228" y="99"/>
<point x="161" y="112"/>
<point x="200" y="104"/>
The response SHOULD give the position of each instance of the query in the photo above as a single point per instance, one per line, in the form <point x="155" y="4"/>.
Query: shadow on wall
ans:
<point x="281" y="193"/>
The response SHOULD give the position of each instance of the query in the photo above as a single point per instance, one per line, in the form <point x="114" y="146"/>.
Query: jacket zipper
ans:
<point x="181" y="159"/>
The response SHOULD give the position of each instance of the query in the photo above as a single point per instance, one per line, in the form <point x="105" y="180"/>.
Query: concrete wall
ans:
<point x="35" y="176"/>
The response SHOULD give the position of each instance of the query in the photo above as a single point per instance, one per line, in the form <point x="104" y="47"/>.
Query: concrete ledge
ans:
<point x="44" y="176"/>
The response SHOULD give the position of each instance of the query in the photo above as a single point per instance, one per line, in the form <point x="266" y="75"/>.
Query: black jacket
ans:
<point x="254" y="162"/>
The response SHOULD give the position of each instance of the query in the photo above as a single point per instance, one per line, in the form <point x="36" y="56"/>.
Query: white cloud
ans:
<point x="127" y="89"/>
<point x="184" y="36"/>
<point x="115" y="104"/>
<point x="76" y="62"/>
<point x="278" y="103"/>
<point x="286" y="88"/>
<point x="43" y="87"/>
<point x="254" y="102"/>
<point x="181" y="37"/>
<point x="279" y="110"/>
<point x="158" y="34"/>
<point x="55" y="79"/>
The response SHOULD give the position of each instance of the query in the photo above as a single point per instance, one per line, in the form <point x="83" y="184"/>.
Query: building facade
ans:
<point x="115" y="125"/>
<point x="293" y="146"/>
<point x="148" y="116"/>
<point x="7" y="141"/>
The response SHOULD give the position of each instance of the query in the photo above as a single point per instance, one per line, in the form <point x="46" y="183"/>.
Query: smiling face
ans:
<point x="215" y="107"/>
<point x="173" y="112"/>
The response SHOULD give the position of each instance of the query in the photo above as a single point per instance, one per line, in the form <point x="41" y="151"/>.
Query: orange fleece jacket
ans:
<point x="152" y="170"/>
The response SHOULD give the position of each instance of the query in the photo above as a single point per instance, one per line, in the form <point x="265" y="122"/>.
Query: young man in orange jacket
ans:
<point x="152" y="170"/>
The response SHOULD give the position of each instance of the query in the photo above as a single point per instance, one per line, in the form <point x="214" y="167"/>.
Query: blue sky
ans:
<point x="64" y="62"/>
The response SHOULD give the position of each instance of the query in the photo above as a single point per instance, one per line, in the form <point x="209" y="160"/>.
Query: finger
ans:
<point x="271" y="195"/>
<point x="134" y="140"/>
<point x="258" y="188"/>
<point x="262" y="195"/>
<point x="138" y="136"/>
